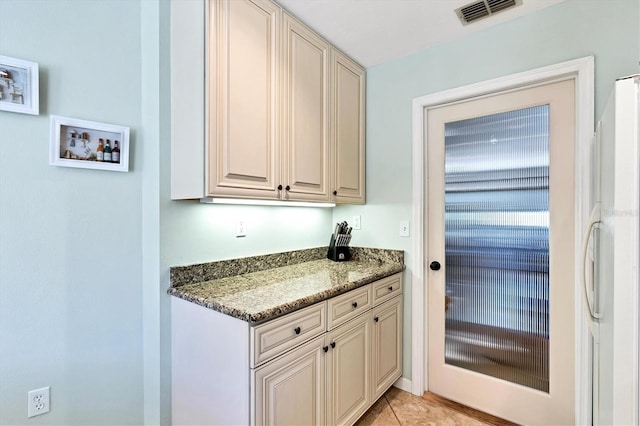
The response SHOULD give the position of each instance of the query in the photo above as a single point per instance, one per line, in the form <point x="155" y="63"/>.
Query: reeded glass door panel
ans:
<point x="497" y="245"/>
<point x="501" y="220"/>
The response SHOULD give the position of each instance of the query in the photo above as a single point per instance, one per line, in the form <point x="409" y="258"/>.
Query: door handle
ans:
<point x="593" y="221"/>
<point x="434" y="266"/>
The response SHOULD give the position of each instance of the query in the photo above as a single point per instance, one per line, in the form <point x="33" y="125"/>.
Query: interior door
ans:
<point x="500" y="245"/>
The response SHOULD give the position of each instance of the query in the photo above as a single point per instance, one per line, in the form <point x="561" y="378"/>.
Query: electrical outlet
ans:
<point x="241" y="229"/>
<point x="404" y="228"/>
<point x="356" y="222"/>
<point x="38" y="402"/>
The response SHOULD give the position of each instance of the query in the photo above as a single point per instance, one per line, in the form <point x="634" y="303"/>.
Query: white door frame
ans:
<point x="582" y="72"/>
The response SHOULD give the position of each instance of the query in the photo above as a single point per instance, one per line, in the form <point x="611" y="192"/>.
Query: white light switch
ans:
<point x="356" y="222"/>
<point x="404" y="228"/>
<point x="241" y="228"/>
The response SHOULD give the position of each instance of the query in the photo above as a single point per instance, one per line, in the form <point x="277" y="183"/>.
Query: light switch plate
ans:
<point x="356" y="222"/>
<point x="404" y="228"/>
<point x="241" y="229"/>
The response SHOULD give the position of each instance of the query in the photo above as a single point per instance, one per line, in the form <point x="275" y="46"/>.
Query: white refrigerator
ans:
<point x="612" y="295"/>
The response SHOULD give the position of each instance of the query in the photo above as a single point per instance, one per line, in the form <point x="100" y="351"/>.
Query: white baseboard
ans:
<point x="403" y="384"/>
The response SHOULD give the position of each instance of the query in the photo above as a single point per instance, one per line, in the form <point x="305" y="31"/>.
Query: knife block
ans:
<point x="338" y="253"/>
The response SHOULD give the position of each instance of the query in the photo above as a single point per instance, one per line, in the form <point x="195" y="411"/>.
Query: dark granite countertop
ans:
<point x="266" y="289"/>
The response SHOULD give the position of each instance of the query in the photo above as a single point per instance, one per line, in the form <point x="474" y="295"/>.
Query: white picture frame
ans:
<point x="19" y="86"/>
<point x="74" y="143"/>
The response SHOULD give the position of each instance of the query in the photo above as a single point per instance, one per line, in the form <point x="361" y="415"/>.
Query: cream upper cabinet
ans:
<point x="306" y="113"/>
<point x="270" y="111"/>
<point x="347" y="129"/>
<point x="244" y="85"/>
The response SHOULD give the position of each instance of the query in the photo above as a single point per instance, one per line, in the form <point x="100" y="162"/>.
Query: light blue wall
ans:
<point x="606" y="29"/>
<point x="70" y="241"/>
<point x="192" y="232"/>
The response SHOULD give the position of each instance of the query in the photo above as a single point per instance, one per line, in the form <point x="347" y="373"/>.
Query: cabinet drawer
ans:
<point x="342" y="308"/>
<point x="387" y="288"/>
<point x="275" y="337"/>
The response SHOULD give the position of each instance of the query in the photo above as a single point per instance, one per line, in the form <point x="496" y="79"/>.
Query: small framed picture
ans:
<point x="19" y="86"/>
<point x="88" y="145"/>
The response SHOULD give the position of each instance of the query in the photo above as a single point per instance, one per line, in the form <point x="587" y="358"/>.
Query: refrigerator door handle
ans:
<point x="594" y="219"/>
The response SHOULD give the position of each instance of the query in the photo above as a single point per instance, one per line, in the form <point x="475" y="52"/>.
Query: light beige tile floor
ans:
<point x="397" y="407"/>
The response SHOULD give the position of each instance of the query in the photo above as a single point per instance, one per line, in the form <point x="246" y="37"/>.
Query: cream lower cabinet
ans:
<point x="327" y="378"/>
<point x="362" y="356"/>
<point x="386" y="346"/>
<point x="325" y="381"/>
<point x="325" y="364"/>
<point x="291" y="389"/>
<point x="348" y="371"/>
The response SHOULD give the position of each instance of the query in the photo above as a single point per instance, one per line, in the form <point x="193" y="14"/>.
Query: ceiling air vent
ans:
<point x="484" y="8"/>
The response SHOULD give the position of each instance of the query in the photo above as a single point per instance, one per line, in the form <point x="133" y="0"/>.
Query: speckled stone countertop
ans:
<point x="261" y="288"/>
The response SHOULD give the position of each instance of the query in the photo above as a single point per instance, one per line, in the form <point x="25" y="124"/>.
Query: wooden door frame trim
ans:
<point x="582" y="72"/>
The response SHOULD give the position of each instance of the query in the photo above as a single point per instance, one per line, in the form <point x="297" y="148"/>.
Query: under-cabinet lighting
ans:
<point x="245" y="202"/>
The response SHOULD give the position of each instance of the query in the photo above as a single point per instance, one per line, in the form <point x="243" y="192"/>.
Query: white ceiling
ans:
<point x="376" y="31"/>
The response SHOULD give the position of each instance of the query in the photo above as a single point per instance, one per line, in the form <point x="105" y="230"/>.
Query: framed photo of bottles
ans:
<point x="88" y="145"/>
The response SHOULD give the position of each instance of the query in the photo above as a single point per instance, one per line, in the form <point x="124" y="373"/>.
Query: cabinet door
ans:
<point x="243" y="120"/>
<point x="306" y="113"/>
<point x="348" y="131"/>
<point x="348" y="371"/>
<point x="386" y="354"/>
<point x="290" y="390"/>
